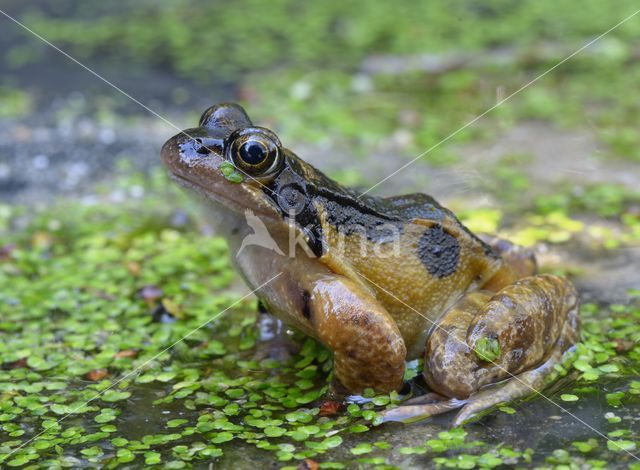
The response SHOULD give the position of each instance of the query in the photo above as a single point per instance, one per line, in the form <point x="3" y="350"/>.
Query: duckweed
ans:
<point x="487" y="349"/>
<point x="230" y="172"/>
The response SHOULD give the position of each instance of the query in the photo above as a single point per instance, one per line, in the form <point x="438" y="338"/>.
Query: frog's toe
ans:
<point x="486" y="401"/>
<point x="412" y="413"/>
<point x="427" y="398"/>
<point x="475" y="409"/>
<point x="471" y="409"/>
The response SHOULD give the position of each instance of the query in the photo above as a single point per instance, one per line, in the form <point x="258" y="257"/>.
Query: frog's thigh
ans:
<point x="366" y="343"/>
<point x="525" y="318"/>
<point x="527" y="383"/>
<point x="520" y="259"/>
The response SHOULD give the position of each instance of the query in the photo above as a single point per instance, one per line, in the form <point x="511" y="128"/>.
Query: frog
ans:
<point x="379" y="281"/>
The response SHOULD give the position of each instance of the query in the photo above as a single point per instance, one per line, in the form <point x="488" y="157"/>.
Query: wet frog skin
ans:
<point x="378" y="281"/>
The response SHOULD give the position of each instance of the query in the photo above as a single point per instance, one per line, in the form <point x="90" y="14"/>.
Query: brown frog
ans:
<point x="378" y="281"/>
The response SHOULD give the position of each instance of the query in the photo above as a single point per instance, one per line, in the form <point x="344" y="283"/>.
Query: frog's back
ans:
<point x="416" y="255"/>
<point x="412" y="253"/>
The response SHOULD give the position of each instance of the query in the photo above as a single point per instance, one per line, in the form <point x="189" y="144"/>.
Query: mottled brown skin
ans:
<point x="526" y="317"/>
<point x="377" y="280"/>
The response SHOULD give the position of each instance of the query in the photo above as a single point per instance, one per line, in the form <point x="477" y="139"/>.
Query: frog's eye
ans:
<point x="255" y="150"/>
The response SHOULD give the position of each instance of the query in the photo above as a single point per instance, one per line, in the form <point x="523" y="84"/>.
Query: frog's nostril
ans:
<point x="201" y="148"/>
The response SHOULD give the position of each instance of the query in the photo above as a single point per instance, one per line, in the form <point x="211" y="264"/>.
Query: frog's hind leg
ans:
<point x="519" y="386"/>
<point x="414" y="410"/>
<point x="488" y="337"/>
<point x="512" y="339"/>
<point x="526" y="384"/>
<point x="521" y="260"/>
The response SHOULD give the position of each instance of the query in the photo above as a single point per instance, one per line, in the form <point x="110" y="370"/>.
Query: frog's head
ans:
<point x="227" y="160"/>
<point x="238" y="166"/>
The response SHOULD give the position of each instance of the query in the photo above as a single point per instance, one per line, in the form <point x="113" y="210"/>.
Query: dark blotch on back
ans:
<point x="439" y="251"/>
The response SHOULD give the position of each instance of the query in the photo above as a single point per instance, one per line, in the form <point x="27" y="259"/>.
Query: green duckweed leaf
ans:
<point x="488" y="349"/>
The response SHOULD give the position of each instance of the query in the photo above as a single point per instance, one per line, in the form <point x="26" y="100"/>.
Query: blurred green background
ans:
<point x="322" y="64"/>
<point x="373" y="81"/>
<point x="103" y="264"/>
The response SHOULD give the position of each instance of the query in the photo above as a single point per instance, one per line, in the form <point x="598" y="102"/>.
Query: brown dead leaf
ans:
<point x="96" y="374"/>
<point x="134" y="268"/>
<point x="308" y="464"/>
<point x="126" y="353"/>
<point x="19" y="363"/>
<point x="623" y="345"/>
<point x="330" y="408"/>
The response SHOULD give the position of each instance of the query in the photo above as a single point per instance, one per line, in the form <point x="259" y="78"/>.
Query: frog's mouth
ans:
<point x="223" y="199"/>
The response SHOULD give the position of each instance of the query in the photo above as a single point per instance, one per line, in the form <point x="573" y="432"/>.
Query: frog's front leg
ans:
<point x="518" y="334"/>
<point x="368" y="350"/>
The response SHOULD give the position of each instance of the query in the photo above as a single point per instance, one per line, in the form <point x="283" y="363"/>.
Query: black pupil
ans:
<point x="253" y="152"/>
